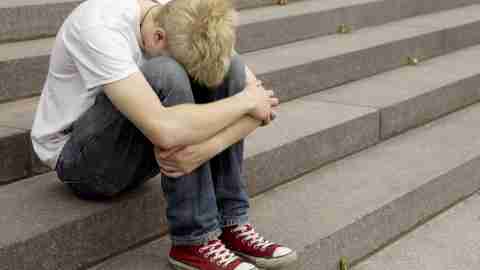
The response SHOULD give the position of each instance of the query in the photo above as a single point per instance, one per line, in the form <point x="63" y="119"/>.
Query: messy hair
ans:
<point x="200" y="36"/>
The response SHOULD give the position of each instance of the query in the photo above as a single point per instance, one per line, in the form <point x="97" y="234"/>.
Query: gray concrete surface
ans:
<point x="313" y="132"/>
<point x="449" y="241"/>
<point x="15" y="156"/>
<point x="406" y="97"/>
<point x="411" y="96"/>
<point x="31" y="19"/>
<point x="298" y="68"/>
<point x="43" y="227"/>
<point x="355" y="205"/>
<point x="267" y="27"/>
<point x="315" y="64"/>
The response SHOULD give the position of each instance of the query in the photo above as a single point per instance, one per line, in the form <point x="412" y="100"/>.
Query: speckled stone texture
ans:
<point x="353" y="206"/>
<point x="15" y="164"/>
<point x="449" y="241"/>
<point x="31" y="19"/>
<point x="411" y="96"/>
<point x="299" y="68"/>
<point x="70" y="234"/>
<point x="44" y="226"/>
<point x="267" y="27"/>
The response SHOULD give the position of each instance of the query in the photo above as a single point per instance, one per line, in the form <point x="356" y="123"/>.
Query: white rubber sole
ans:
<point x="180" y="266"/>
<point x="270" y="263"/>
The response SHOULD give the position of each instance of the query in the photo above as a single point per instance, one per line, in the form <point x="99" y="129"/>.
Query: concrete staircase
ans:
<point x="365" y="148"/>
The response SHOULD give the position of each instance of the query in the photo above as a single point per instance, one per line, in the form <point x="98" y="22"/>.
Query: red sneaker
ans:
<point x="212" y="256"/>
<point x="245" y="242"/>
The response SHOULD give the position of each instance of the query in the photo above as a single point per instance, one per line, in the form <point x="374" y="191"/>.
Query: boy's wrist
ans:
<point x="247" y="102"/>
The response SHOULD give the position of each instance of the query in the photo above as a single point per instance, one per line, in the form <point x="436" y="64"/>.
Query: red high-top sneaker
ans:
<point x="245" y="242"/>
<point x="212" y="256"/>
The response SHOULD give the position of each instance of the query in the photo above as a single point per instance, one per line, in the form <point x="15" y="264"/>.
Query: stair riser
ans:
<point x="37" y="21"/>
<point x="92" y="238"/>
<point x="15" y="155"/>
<point x="22" y="78"/>
<point x="276" y="32"/>
<point x="25" y="77"/>
<point x="395" y="119"/>
<point x="415" y="112"/>
<point x="303" y="80"/>
<point x="31" y="22"/>
<point x="289" y="161"/>
<point x="382" y="226"/>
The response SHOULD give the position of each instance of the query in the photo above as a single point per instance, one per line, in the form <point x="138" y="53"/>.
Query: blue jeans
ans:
<point x="107" y="155"/>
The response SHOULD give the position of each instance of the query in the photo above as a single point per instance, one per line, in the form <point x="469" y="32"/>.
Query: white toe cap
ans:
<point x="245" y="266"/>
<point x="281" y="251"/>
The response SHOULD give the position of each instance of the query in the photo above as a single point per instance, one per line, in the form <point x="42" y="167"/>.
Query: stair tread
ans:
<point x="296" y="9"/>
<point x="377" y="91"/>
<point x="301" y="52"/>
<point x="320" y="203"/>
<point x="21" y="3"/>
<point x="31" y="201"/>
<point x="306" y="51"/>
<point x="391" y="87"/>
<point x="449" y="241"/>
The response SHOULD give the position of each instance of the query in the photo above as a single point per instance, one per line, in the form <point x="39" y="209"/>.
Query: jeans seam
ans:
<point x="198" y="240"/>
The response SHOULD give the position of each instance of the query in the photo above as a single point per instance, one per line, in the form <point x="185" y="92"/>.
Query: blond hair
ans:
<point x="200" y="36"/>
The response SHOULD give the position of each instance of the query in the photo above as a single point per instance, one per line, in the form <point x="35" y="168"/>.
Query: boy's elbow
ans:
<point x="165" y="136"/>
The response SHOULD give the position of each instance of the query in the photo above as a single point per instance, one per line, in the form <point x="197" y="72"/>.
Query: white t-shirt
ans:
<point x="97" y="44"/>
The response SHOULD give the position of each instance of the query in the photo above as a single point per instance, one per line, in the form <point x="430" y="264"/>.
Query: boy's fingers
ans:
<point x="164" y="154"/>
<point x="168" y="168"/>
<point x="274" y="101"/>
<point x="171" y="174"/>
<point x="273" y="115"/>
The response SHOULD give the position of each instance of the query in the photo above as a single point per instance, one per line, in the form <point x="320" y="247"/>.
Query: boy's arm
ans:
<point x="177" y="163"/>
<point x="185" y="124"/>
<point x="183" y="161"/>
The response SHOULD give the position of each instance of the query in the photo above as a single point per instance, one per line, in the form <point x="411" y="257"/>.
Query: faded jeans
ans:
<point x="107" y="155"/>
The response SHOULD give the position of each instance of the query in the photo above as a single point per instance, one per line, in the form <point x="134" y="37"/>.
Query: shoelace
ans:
<point x="220" y="253"/>
<point x="249" y="234"/>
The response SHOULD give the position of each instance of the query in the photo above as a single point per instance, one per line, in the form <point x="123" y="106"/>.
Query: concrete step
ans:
<point x="305" y="66"/>
<point x="44" y="226"/>
<point x="449" y="241"/>
<point x="32" y="19"/>
<point x="406" y="98"/>
<point x="353" y="206"/>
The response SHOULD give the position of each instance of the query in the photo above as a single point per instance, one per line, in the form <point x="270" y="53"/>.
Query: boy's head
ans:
<point x="199" y="34"/>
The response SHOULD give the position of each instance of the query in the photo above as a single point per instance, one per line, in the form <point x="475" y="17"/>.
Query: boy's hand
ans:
<point x="182" y="160"/>
<point x="263" y="99"/>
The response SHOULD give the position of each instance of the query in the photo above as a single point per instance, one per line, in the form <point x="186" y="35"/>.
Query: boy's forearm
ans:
<point x="196" y="123"/>
<point x="201" y="122"/>
<point x="232" y="134"/>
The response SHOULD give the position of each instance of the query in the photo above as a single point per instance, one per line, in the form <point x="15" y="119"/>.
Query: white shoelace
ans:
<point x="220" y="253"/>
<point x="251" y="235"/>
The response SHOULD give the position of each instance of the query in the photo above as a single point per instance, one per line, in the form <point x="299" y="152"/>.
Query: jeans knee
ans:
<point x="236" y="75"/>
<point x="169" y="80"/>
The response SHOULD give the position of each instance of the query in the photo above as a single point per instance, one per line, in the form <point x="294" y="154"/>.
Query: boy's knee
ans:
<point x="168" y="79"/>
<point x="236" y="75"/>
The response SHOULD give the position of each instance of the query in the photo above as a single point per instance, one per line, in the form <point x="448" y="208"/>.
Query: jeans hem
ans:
<point x="226" y="221"/>
<point x="200" y="240"/>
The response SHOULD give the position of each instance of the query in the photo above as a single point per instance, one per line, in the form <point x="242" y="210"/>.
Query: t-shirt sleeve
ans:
<point x="101" y="55"/>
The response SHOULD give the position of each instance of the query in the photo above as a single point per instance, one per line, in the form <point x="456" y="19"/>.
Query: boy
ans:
<point x="136" y="88"/>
